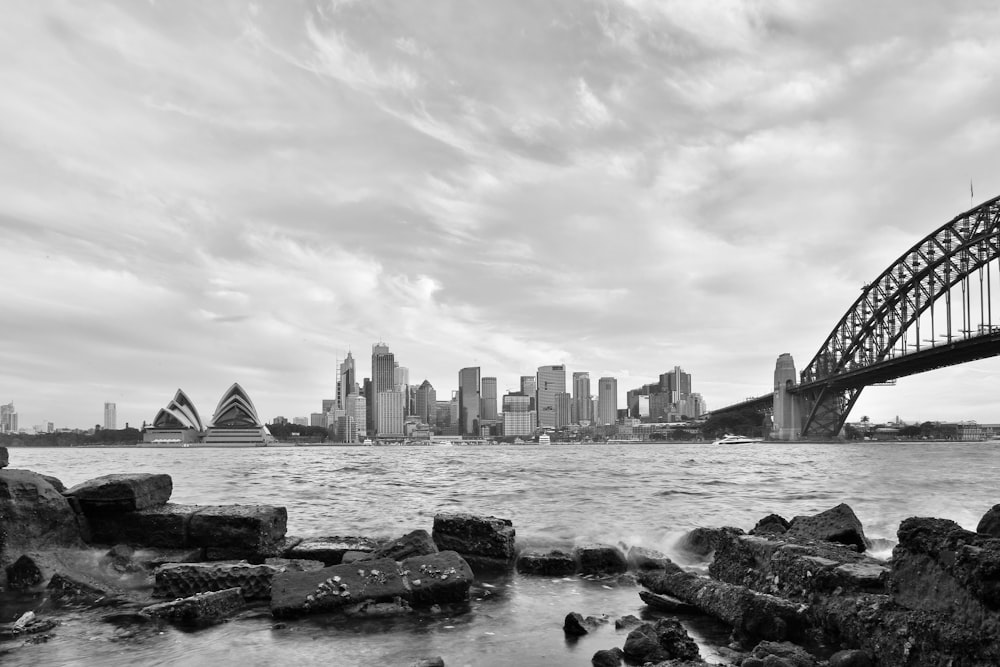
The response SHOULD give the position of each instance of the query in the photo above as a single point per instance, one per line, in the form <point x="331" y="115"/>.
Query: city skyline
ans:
<point x="202" y="194"/>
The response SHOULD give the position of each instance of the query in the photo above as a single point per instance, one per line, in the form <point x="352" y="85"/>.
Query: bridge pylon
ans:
<point x="788" y="407"/>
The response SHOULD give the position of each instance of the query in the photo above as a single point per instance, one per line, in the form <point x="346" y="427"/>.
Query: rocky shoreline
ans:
<point x="797" y="593"/>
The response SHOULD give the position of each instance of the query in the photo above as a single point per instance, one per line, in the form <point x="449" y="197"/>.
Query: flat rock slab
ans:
<point x="329" y="550"/>
<point x="437" y="578"/>
<point x="414" y="543"/>
<point x="178" y="580"/>
<point x="163" y="527"/>
<point x="122" y="492"/>
<point x="238" y="531"/>
<point x="547" y="563"/>
<point x="335" y="587"/>
<point x="600" y="559"/>
<point x="199" y="608"/>
<point x="472" y="535"/>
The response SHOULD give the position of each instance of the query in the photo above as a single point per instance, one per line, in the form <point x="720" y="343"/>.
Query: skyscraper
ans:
<point x="110" y="417"/>
<point x="390" y="416"/>
<point x="346" y="380"/>
<point x="518" y="419"/>
<point x="529" y="387"/>
<point x="607" y="400"/>
<point x="426" y="403"/>
<point x="468" y="401"/>
<point x="563" y="402"/>
<point x="8" y="418"/>
<point x="357" y="407"/>
<point x="489" y="398"/>
<point x="581" y="410"/>
<point x="383" y="376"/>
<point x="551" y="381"/>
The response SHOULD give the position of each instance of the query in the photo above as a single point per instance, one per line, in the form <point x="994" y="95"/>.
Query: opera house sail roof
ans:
<point x="180" y="413"/>
<point x="235" y="410"/>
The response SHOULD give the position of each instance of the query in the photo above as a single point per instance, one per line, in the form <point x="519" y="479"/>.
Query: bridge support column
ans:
<point x="788" y="408"/>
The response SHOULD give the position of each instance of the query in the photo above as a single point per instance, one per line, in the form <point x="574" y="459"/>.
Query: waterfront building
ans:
<point x="518" y="417"/>
<point x="529" y="387"/>
<point x="391" y="414"/>
<point x="235" y="422"/>
<point x="357" y="407"/>
<point x="563" y="403"/>
<point x="179" y="422"/>
<point x="369" y="404"/>
<point x="442" y="414"/>
<point x="110" y="417"/>
<point x="488" y="410"/>
<point x="425" y="403"/>
<point x="347" y="428"/>
<point x="300" y="421"/>
<point x="607" y="401"/>
<point x="551" y="380"/>
<point x="581" y="409"/>
<point x="320" y="419"/>
<point x="346" y="380"/>
<point x="8" y="418"/>
<point x="383" y="377"/>
<point x="331" y="404"/>
<point x="469" y="400"/>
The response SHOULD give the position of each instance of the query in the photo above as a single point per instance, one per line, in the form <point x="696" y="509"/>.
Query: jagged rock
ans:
<point x="850" y="658"/>
<point x="230" y="532"/>
<point x="73" y="589"/>
<point x="485" y="542"/>
<point x="611" y="657"/>
<point x="772" y="524"/>
<point x="837" y="524"/>
<point x="202" y="607"/>
<point x="178" y="580"/>
<point x="329" y="550"/>
<point x="575" y="625"/>
<point x="665" y="640"/>
<point x="750" y="613"/>
<point x="666" y="603"/>
<point x="33" y="516"/>
<point x="703" y="541"/>
<point x="627" y="621"/>
<point x="773" y="565"/>
<point x="335" y="587"/>
<point x="641" y="558"/>
<point x="600" y="559"/>
<point x="782" y="654"/>
<point x="415" y="543"/>
<point x="551" y="563"/>
<point x="437" y="578"/>
<point x="990" y="523"/>
<point x="111" y="494"/>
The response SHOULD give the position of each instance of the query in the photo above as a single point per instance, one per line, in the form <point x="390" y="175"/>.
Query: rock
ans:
<point x="608" y="658"/>
<point x="165" y="526"/>
<point x="178" y="580"/>
<point x="120" y="559"/>
<point x="230" y="532"/>
<point x="429" y="662"/>
<point x="354" y="556"/>
<point x="55" y="482"/>
<point x="202" y="607"/>
<point x="74" y="589"/>
<point x="112" y="494"/>
<point x="330" y="550"/>
<point x="772" y="524"/>
<point x="627" y="621"/>
<point x="850" y="658"/>
<point x="335" y="587"/>
<point x="27" y="624"/>
<point x="575" y="625"/>
<point x="750" y="613"/>
<point x="33" y="516"/>
<point x="549" y="563"/>
<point x="437" y="578"/>
<point x="783" y="654"/>
<point x="3" y="457"/>
<point x="703" y="541"/>
<point x="666" y="603"/>
<point x="664" y="640"/>
<point x="32" y="569"/>
<point x="600" y="559"/>
<point x="416" y="543"/>
<point x="485" y="542"/>
<point x="151" y="558"/>
<point x="372" y="609"/>
<point x="990" y="523"/>
<point x="838" y="524"/>
<point x="641" y="558"/>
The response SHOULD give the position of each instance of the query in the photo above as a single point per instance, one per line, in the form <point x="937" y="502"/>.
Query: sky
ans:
<point x="199" y="193"/>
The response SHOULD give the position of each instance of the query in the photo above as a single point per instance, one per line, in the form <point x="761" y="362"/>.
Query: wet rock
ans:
<point x="641" y="558"/>
<point x="329" y="550"/>
<point x="416" y="543"/>
<point x="35" y="516"/>
<point x="850" y="658"/>
<point x="752" y="614"/>
<point x="151" y="558"/>
<point x="549" y="563"/>
<point x="120" y="559"/>
<point x="611" y="657"/>
<point x="437" y="578"/>
<point x="485" y="542"/>
<point x="772" y="524"/>
<point x="231" y="532"/>
<point x="702" y="542"/>
<point x="178" y="580"/>
<point x="600" y="559"/>
<point x="664" y="640"/>
<point x="32" y="569"/>
<point x="354" y="556"/>
<point x="437" y="661"/>
<point x="838" y="524"/>
<point x="75" y="589"/>
<point x="202" y="607"/>
<point x="783" y="654"/>
<point x="666" y="603"/>
<point x="27" y="624"/>
<point x="335" y="587"/>
<point x="165" y="526"/>
<point x="990" y="523"/>
<point x="575" y="625"/>
<point x="372" y="609"/>
<point x="627" y="621"/>
<point x="3" y="457"/>
<point x="112" y="494"/>
<point x="55" y="482"/>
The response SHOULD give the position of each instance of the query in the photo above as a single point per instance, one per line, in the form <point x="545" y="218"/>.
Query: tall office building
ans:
<point x="551" y="380"/>
<point x="581" y="410"/>
<point x="356" y="406"/>
<point x="529" y="387"/>
<point x="110" y="417"/>
<point x="391" y="415"/>
<point x="563" y="403"/>
<point x="677" y="384"/>
<point x="468" y="401"/>
<point x="383" y="377"/>
<point x="518" y="418"/>
<point x="426" y="403"/>
<point x="489" y="399"/>
<point x="8" y="418"/>
<point x="607" y="400"/>
<point x="346" y="380"/>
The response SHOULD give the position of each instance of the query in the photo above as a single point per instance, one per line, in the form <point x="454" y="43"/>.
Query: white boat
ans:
<point x="730" y="439"/>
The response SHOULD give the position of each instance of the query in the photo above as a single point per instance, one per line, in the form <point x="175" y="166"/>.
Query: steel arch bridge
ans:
<point x="929" y="309"/>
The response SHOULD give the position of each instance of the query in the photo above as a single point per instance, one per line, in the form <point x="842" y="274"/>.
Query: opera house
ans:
<point x="234" y="424"/>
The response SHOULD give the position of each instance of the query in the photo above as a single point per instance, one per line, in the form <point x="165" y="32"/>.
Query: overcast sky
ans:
<point x="195" y="193"/>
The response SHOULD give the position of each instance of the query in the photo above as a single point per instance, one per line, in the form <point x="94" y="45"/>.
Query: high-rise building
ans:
<point x="529" y="387"/>
<point x="401" y="378"/>
<point x="677" y="384"/>
<point x="346" y="381"/>
<point x="8" y="418"/>
<point x="563" y="403"/>
<point x="426" y="403"/>
<point x="607" y="400"/>
<point x="391" y="414"/>
<point x="551" y="380"/>
<point x="110" y="417"/>
<point x="581" y="410"/>
<point x="468" y="401"/>
<point x="383" y="377"/>
<point x="357" y="407"/>
<point x="488" y="410"/>
<point x="518" y="417"/>
<point x="369" y="405"/>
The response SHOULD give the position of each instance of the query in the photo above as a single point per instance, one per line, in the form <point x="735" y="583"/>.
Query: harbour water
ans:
<point x="561" y="496"/>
